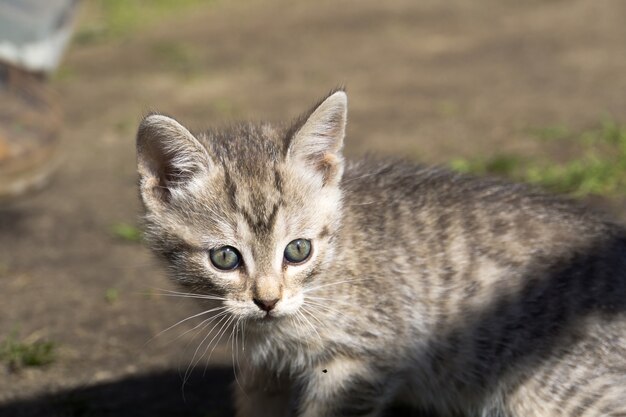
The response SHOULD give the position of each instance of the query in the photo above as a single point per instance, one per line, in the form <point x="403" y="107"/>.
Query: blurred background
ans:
<point x="534" y="91"/>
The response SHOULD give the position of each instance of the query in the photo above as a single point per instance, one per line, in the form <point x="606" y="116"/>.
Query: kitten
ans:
<point x="361" y="284"/>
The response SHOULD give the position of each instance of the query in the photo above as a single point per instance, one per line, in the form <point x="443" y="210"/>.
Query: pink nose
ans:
<point x="266" y="305"/>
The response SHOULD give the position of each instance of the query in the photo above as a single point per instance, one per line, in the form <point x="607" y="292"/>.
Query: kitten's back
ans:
<point x="506" y="281"/>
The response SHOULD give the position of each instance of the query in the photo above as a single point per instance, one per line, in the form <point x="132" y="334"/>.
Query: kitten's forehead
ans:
<point x="250" y="157"/>
<point x="258" y="204"/>
<point x="247" y="149"/>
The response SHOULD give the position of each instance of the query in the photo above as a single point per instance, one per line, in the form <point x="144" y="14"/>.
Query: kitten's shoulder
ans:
<point x="398" y="182"/>
<point x="408" y="181"/>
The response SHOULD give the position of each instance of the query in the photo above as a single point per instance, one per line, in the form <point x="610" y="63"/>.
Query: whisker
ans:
<point x="193" y="362"/>
<point x="207" y="321"/>
<point x="325" y="307"/>
<point x="220" y="338"/>
<point x="301" y="313"/>
<point x="297" y="325"/>
<point x="186" y="319"/>
<point x="219" y="334"/>
<point x="236" y="337"/>
<point x="204" y="324"/>
<point x="202" y="297"/>
<point x="302" y="323"/>
<point x="331" y="300"/>
<point x="322" y="305"/>
<point x="243" y="336"/>
<point x="306" y="310"/>
<point x="321" y="311"/>
<point x="236" y="364"/>
<point x="170" y="293"/>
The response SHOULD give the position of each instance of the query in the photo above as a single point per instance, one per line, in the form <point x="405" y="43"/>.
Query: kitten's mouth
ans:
<point x="268" y="318"/>
<point x="262" y="322"/>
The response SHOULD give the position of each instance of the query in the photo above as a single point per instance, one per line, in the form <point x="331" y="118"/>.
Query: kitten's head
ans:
<point x="246" y="214"/>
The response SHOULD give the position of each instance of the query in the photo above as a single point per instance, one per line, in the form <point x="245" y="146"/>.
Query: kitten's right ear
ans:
<point x="169" y="159"/>
<point x="318" y="140"/>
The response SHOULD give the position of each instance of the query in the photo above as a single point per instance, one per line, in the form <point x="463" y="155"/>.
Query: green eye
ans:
<point x="298" y="251"/>
<point x="225" y="258"/>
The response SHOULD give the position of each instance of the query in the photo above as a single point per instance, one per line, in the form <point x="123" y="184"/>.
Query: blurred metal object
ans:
<point x="29" y="126"/>
<point x="34" y="33"/>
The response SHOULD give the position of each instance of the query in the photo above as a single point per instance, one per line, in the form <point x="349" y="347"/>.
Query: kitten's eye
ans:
<point x="298" y="251"/>
<point x="225" y="258"/>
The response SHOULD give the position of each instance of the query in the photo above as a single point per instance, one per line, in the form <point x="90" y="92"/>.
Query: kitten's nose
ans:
<point x="265" y="305"/>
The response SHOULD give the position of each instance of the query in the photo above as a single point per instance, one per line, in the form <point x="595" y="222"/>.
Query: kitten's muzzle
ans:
<point x="266" y="305"/>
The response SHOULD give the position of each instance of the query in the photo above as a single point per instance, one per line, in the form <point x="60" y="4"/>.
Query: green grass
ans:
<point x="111" y="295"/>
<point x="549" y="132"/>
<point x="18" y="354"/>
<point x="107" y="19"/>
<point x="503" y="165"/>
<point x="127" y="232"/>
<point x="177" y="56"/>
<point x="600" y="167"/>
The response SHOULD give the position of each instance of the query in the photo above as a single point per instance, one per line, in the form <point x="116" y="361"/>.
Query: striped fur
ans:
<point x="452" y="293"/>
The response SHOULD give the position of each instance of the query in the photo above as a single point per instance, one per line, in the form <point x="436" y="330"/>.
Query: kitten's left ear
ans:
<point x="318" y="141"/>
<point x="169" y="160"/>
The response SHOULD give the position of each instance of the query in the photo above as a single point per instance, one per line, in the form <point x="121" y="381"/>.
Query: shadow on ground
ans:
<point x="206" y="394"/>
<point x="151" y="395"/>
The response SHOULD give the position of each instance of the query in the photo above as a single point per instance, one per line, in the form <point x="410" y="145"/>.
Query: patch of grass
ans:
<point x="579" y="177"/>
<point x="18" y="354"/>
<point x="108" y="19"/>
<point x="63" y="73"/>
<point x="127" y="232"/>
<point x="176" y="56"/>
<point x="149" y="294"/>
<point x="549" y="132"/>
<point x="111" y="295"/>
<point x="611" y="132"/>
<point x="600" y="169"/>
<point x="503" y="165"/>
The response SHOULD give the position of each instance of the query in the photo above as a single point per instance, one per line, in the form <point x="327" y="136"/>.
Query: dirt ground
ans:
<point x="428" y="80"/>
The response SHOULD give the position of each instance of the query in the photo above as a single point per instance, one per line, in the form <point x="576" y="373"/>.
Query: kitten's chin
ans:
<point x="267" y="321"/>
<point x="270" y="317"/>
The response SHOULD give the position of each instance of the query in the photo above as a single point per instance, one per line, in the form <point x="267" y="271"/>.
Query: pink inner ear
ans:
<point x="328" y="165"/>
<point x="319" y="140"/>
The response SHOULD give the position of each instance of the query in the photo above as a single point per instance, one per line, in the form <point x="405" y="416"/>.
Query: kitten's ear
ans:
<point x="169" y="159"/>
<point x="318" y="141"/>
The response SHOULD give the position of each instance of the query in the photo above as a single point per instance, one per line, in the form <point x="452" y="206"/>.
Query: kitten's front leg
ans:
<point x="344" y="387"/>
<point x="261" y="393"/>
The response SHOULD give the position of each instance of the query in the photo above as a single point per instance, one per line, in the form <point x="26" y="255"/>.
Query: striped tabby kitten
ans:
<point x="356" y="285"/>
